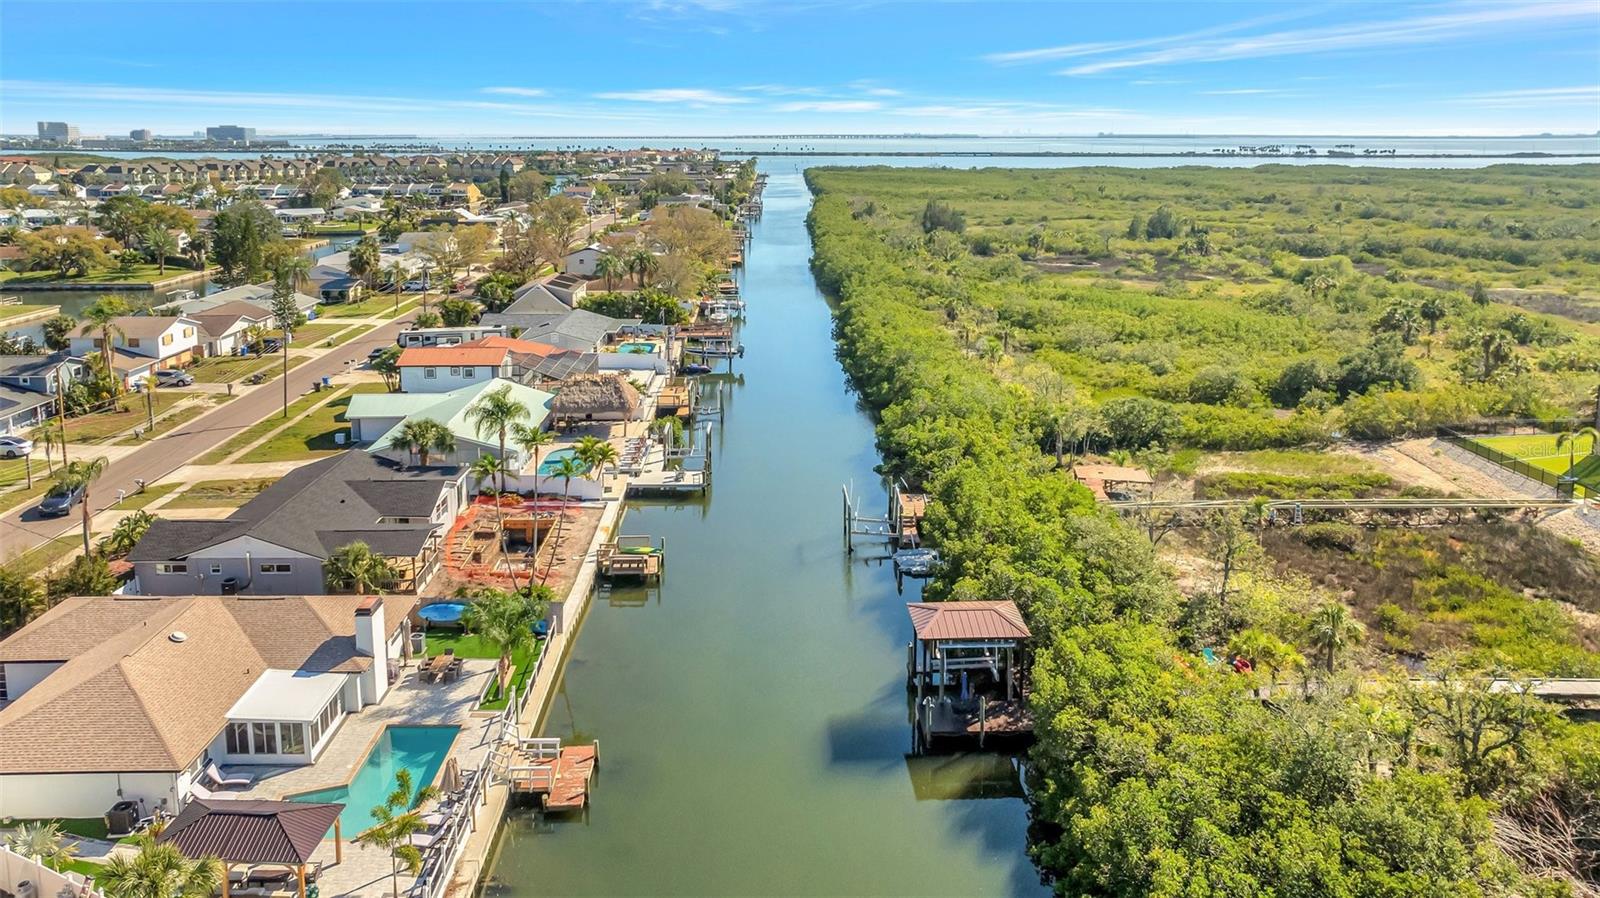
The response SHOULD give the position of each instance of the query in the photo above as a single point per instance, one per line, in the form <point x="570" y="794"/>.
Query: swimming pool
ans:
<point x="637" y="348"/>
<point x="550" y="464"/>
<point x="443" y="612"/>
<point x="419" y="749"/>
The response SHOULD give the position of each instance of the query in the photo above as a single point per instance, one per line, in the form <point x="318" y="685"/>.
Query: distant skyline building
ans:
<point x="231" y="133"/>
<point x="143" y="135"/>
<point x="60" y="132"/>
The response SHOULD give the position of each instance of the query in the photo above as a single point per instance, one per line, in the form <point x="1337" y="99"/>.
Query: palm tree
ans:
<point x="596" y="453"/>
<point x="127" y="533"/>
<point x="150" y="384"/>
<point x="1570" y="440"/>
<point x="496" y="412"/>
<point x="425" y="437"/>
<point x="486" y="467"/>
<point x="160" y="244"/>
<point x="1332" y="629"/>
<point x="365" y="259"/>
<point x="44" y="841"/>
<point x="610" y="266"/>
<point x="159" y="870"/>
<point x="644" y="263"/>
<point x="83" y="473"/>
<point x="568" y="468"/>
<point x="356" y="567"/>
<point x="397" y="276"/>
<point x="287" y="276"/>
<point x="45" y="435"/>
<point x="505" y="621"/>
<point x="397" y="822"/>
<point x="101" y="317"/>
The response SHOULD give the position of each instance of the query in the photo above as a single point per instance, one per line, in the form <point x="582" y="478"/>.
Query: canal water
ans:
<point x="751" y="711"/>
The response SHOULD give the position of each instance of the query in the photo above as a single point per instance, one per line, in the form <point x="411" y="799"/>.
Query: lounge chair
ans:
<point x="198" y="791"/>
<point x="214" y="773"/>
<point x="424" y="840"/>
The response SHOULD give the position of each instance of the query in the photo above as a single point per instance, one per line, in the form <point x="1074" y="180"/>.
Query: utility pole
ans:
<point x="61" y="408"/>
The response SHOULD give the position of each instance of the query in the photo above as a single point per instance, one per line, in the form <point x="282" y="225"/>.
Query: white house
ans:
<point x="376" y="419"/>
<point x="224" y="328"/>
<point x="583" y="261"/>
<point x="130" y="698"/>
<point x="142" y="343"/>
<point x="441" y="369"/>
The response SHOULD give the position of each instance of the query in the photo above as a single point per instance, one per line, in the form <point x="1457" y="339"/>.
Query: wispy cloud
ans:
<point x="1146" y="82"/>
<point x="831" y="106"/>
<point x="1464" y="21"/>
<point x="1246" y="91"/>
<point x="1536" y="97"/>
<point x="874" y="89"/>
<point x="1098" y="48"/>
<point x="781" y="90"/>
<point x="693" y="95"/>
<point x="516" y="91"/>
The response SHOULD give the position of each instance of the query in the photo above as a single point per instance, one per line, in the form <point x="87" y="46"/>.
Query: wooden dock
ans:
<point x="632" y="556"/>
<point x="674" y="401"/>
<point x="559" y="776"/>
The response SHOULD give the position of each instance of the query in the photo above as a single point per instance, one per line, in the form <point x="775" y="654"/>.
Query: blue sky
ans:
<point x="739" y="67"/>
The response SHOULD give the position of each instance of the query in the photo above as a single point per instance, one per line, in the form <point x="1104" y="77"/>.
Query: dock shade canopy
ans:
<point x="967" y="621"/>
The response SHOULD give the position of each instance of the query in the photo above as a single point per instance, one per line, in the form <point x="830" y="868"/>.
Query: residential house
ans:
<point x="129" y="698"/>
<point x="568" y="287"/>
<point x="143" y="343"/>
<point x="583" y="261"/>
<point x="578" y="329"/>
<point x="440" y="369"/>
<point x="377" y="419"/>
<point x="540" y="364"/>
<point x="276" y="543"/>
<point x="257" y="295"/>
<point x="224" y="329"/>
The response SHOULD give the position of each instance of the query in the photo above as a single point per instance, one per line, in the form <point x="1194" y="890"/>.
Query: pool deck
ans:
<point x="365" y="871"/>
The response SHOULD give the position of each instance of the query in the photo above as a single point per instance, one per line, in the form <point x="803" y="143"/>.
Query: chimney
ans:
<point x="371" y="640"/>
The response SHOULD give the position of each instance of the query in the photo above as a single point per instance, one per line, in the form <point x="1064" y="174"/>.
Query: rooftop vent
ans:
<point x="178" y="636"/>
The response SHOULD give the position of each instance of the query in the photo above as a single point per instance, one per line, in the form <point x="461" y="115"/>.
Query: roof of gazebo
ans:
<point x="942" y="621"/>
<point x="250" y="831"/>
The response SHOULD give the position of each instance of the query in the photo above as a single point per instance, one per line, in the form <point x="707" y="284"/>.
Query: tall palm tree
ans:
<point x="486" y="467"/>
<point x="496" y="412"/>
<point x="644" y="263"/>
<point x="83" y="473"/>
<point x="101" y="318"/>
<point x="356" y="567"/>
<point x="432" y="438"/>
<point x="505" y="621"/>
<point x="160" y="244"/>
<point x="596" y="453"/>
<point x="365" y="259"/>
<point x="567" y="469"/>
<point x="610" y="266"/>
<point x="286" y="278"/>
<point x="159" y="870"/>
<point x="1333" y="629"/>
<point x="45" y="435"/>
<point x="397" y="277"/>
<point x="1570" y="440"/>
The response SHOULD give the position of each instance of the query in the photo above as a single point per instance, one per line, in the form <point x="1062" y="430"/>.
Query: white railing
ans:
<point x="44" y="882"/>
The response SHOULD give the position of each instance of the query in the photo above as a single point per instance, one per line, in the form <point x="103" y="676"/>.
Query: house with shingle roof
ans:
<point x="278" y="542"/>
<point x="129" y="698"/>
<point x="143" y="341"/>
<point x="440" y="369"/>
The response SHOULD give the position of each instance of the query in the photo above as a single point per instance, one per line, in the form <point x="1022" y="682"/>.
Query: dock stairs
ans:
<point x="559" y="776"/>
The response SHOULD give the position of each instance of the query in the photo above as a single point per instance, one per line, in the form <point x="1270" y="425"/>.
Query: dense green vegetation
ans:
<point x="1187" y="305"/>
<point x="1154" y="773"/>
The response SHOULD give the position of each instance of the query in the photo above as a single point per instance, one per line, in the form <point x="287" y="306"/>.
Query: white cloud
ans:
<point x="1536" y="98"/>
<point x="1466" y="21"/>
<point x="673" y="95"/>
<point x="1245" y="91"/>
<point x="516" y="91"/>
<point x="832" y="106"/>
<point x="1097" y="48"/>
<point x="780" y="90"/>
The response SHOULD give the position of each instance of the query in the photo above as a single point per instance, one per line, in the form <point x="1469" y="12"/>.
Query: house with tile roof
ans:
<point x="278" y="542"/>
<point x="130" y="698"/>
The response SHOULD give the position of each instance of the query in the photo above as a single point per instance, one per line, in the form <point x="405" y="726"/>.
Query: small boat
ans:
<point x="718" y="349"/>
<point x="695" y="368"/>
<point x="917" y="562"/>
<point x="718" y="317"/>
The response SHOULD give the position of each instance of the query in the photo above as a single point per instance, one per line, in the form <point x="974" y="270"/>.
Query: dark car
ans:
<point x="59" y="501"/>
<point x="377" y="353"/>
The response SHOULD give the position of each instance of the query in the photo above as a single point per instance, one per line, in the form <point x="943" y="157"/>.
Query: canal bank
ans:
<point x="752" y="708"/>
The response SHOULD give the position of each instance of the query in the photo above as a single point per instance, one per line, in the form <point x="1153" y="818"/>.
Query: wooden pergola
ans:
<point x="248" y="831"/>
<point x="957" y="636"/>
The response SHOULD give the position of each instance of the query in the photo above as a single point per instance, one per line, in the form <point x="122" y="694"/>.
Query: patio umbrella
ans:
<point x="450" y="780"/>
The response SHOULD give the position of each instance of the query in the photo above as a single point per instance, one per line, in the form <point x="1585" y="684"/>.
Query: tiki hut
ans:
<point x="596" y="397"/>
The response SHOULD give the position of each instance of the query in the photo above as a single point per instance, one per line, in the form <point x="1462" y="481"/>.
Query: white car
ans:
<point x="416" y="286"/>
<point x="15" y="447"/>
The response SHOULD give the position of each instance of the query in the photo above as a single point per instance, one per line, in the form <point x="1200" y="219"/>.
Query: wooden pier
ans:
<point x="633" y="556"/>
<point x="559" y="776"/>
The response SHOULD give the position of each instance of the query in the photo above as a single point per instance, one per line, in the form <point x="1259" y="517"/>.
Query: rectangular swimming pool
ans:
<point x="419" y="749"/>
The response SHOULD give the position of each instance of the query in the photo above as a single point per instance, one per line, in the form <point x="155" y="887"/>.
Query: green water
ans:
<point x="751" y="712"/>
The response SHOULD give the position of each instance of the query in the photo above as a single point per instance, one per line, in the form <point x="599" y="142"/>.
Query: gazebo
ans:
<point x="247" y="831"/>
<point x="595" y="397"/>
<point x="965" y="636"/>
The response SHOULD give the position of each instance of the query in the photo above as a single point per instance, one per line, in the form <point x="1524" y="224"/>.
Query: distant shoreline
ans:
<point x="1084" y="154"/>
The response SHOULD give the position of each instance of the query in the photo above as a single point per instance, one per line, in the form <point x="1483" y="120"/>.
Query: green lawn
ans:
<point x="221" y="493"/>
<point x="1539" y="450"/>
<point x="379" y="305"/>
<point x="223" y="369"/>
<point x="8" y="312"/>
<point x="46" y="554"/>
<point x="130" y="413"/>
<point x="259" y="429"/>
<point x="170" y="422"/>
<point x="468" y="646"/>
<point x="317" y="333"/>
<point x="143" y="273"/>
<point x="150" y="494"/>
<point x="23" y="495"/>
<point x="313" y="435"/>
<point x="87" y="827"/>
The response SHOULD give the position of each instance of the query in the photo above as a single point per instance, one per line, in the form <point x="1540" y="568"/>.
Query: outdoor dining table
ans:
<point x="437" y="665"/>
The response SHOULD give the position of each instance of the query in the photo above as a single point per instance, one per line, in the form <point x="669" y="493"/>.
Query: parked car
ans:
<point x="377" y="352"/>
<point x="173" y="377"/>
<point x="271" y="345"/>
<point x="59" y="501"/>
<point x="416" y="286"/>
<point x="15" y="446"/>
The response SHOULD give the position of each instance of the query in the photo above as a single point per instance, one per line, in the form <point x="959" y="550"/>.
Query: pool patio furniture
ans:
<point x="214" y="773"/>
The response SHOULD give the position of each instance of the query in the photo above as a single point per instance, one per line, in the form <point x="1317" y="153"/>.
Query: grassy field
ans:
<point x="19" y="311"/>
<point x="232" y="368"/>
<point x="142" y="273"/>
<point x="1540" y="450"/>
<point x="48" y="553"/>
<point x="130" y="413"/>
<point x="172" y="421"/>
<point x="317" y="333"/>
<point x="150" y="495"/>
<point x="221" y="493"/>
<point x="380" y="305"/>
<point x="313" y="435"/>
<point x="259" y="429"/>
<point x="468" y="646"/>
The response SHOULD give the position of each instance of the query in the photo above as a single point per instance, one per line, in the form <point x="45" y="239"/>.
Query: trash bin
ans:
<point x="326" y="381"/>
